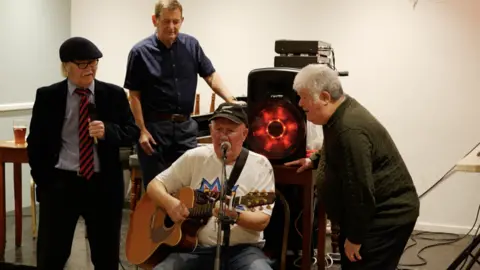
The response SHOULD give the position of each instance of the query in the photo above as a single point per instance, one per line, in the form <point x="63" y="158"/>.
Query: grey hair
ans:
<point x="317" y="78"/>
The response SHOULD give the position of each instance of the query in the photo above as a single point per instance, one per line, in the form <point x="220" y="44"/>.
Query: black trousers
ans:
<point x="173" y="139"/>
<point x="63" y="200"/>
<point x="381" y="249"/>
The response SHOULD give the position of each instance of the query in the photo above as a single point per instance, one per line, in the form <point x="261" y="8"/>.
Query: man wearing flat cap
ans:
<point x="201" y="169"/>
<point x="76" y="130"/>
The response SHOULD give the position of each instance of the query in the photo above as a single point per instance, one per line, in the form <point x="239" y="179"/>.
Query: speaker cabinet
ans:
<point x="277" y="125"/>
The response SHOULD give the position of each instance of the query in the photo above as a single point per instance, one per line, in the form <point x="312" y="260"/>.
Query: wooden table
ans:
<point x="470" y="163"/>
<point x="289" y="176"/>
<point x="16" y="154"/>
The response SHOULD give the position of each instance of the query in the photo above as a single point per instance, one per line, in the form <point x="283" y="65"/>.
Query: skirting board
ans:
<point x="431" y="227"/>
<point x="16" y="106"/>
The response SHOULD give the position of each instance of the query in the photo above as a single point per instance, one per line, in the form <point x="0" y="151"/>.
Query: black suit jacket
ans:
<point x="45" y="136"/>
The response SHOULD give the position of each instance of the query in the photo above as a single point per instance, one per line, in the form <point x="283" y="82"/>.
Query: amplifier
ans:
<point x="295" y="61"/>
<point x="310" y="47"/>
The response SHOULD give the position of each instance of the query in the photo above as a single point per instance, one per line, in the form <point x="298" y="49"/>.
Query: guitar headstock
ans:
<point x="257" y="198"/>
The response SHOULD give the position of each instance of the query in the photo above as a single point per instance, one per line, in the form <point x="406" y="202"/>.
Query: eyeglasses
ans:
<point x="84" y="65"/>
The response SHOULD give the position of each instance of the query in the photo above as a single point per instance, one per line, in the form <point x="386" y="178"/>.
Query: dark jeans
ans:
<point x="63" y="200"/>
<point x="381" y="249"/>
<point x="241" y="257"/>
<point x="173" y="139"/>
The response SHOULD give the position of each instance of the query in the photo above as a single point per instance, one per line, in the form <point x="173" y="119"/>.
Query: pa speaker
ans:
<point x="277" y="125"/>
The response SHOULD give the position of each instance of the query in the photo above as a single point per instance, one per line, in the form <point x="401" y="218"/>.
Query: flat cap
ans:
<point x="79" y="48"/>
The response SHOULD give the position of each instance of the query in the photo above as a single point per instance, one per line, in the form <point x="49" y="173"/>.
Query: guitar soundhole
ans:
<point x="168" y="222"/>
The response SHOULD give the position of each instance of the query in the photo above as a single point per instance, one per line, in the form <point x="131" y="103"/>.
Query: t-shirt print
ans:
<point x="212" y="190"/>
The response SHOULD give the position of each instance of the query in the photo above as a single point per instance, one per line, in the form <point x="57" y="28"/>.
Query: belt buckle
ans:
<point x="79" y="174"/>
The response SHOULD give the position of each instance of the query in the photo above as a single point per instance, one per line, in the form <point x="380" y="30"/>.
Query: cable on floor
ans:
<point x="328" y="256"/>
<point x="449" y="238"/>
<point x="121" y="265"/>
<point x="452" y="238"/>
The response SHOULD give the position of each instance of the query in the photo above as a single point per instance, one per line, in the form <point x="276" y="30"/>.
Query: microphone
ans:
<point x="92" y="114"/>
<point x="225" y="146"/>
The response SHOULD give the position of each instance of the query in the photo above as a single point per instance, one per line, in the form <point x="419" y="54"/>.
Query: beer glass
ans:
<point x="20" y="130"/>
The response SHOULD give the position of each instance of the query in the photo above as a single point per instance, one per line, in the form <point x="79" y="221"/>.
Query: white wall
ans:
<point x="416" y="70"/>
<point x="32" y="32"/>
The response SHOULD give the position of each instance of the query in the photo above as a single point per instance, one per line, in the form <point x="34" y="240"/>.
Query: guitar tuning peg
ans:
<point x="269" y="207"/>
<point x="251" y="209"/>
<point x="260" y="207"/>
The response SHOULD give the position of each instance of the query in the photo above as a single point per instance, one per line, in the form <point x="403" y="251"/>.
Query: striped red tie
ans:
<point x="85" y="141"/>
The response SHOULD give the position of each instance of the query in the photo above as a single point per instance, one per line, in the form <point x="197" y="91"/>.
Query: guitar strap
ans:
<point x="237" y="169"/>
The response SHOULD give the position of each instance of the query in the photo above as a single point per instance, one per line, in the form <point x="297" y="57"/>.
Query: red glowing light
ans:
<point x="276" y="130"/>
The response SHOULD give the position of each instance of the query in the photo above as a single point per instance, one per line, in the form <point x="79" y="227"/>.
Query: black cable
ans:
<point x="444" y="241"/>
<point x="121" y="265"/>
<point x="445" y="175"/>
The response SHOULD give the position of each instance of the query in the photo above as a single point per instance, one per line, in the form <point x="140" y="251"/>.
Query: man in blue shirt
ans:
<point x="162" y="79"/>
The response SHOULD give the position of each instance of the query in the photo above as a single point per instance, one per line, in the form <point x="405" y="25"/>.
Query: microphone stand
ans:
<point x="223" y="221"/>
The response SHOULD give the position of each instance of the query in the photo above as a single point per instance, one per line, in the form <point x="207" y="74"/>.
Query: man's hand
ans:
<point x="177" y="211"/>
<point x="352" y="251"/>
<point x="146" y="140"/>
<point x="228" y="212"/>
<point x="304" y="163"/>
<point x="239" y="102"/>
<point x="96" y="129"/>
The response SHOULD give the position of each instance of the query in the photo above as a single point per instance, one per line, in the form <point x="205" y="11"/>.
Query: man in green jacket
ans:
<point x="367" y="188"/>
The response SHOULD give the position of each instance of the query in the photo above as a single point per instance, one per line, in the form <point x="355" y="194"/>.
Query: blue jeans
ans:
<point x="241" y="257"/>
<point x="173" y="140"/>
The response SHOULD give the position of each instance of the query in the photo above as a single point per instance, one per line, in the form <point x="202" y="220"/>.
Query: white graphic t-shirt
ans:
<point x="201" y="169"/>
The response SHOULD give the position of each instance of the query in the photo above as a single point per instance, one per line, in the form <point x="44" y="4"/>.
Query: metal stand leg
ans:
<point x="466" y="253"/>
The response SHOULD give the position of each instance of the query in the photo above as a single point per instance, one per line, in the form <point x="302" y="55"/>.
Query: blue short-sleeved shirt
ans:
<point x="167" y="77"/>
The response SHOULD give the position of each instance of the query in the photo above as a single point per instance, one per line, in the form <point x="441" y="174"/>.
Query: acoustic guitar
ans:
<point x="152" y="234"/>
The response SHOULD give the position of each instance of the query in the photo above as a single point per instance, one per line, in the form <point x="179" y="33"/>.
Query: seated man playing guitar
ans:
<point x="201" y="169"/>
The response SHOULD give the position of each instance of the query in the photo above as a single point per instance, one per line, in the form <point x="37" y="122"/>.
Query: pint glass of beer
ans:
<point x="20" y="130"/>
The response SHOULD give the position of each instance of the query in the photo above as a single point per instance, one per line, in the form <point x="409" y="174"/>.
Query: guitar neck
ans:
<point x="200" y="211"/>
<point x="205" y="210"/>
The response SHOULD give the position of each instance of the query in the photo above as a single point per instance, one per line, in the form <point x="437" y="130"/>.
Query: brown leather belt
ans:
<point x="178" y="118"/>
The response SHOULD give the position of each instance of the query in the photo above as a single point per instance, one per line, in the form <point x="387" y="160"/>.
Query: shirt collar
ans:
<point x="72" y="87"/>
<point x="160" y="44"/>
<point x="339" y="111"/>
